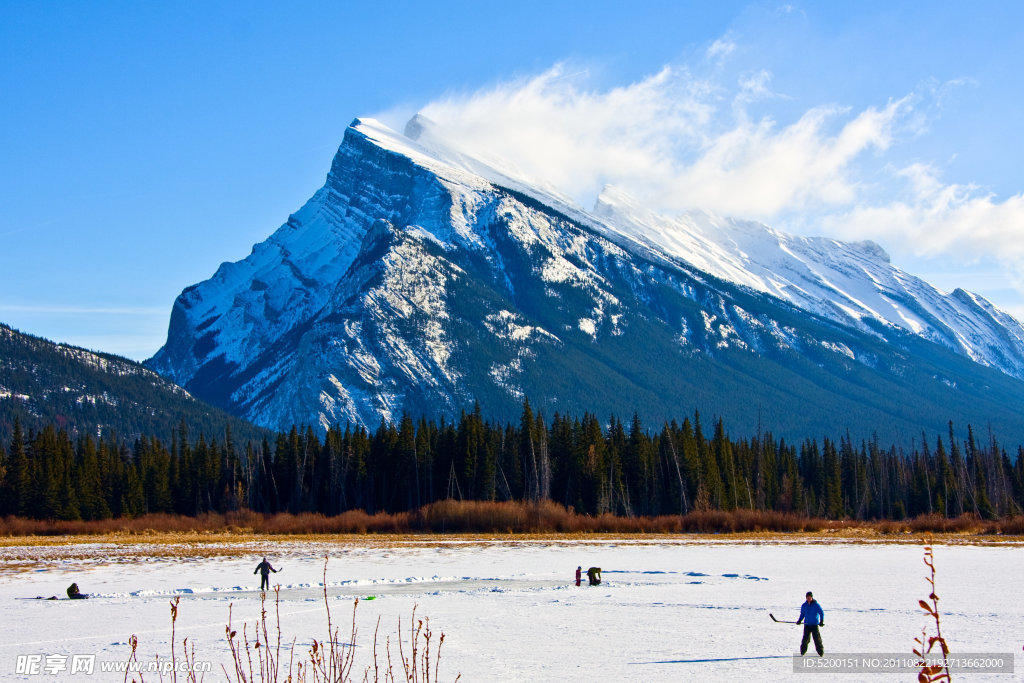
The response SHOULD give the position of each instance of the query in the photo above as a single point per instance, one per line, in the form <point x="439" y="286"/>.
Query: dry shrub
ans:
<point x="349" y="522"/>
<point x="890" y="527"/>
<point x="1011" y="526"/>
<point x="720" y="521"/>
<point x="937" y="523"/>
<point x="484" y="516"/>
<point x="548" y="517"/>
<point x="151" y="523"/>
<point x="454" y="516"/>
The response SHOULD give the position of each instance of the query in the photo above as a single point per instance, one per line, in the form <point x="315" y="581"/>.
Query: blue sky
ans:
<point x="142" y="144"/>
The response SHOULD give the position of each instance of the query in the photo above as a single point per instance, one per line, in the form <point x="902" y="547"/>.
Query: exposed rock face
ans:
<point x="421" y="280"/>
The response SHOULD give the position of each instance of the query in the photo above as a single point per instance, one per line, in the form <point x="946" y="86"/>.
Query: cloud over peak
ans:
<point x="676" y="140"/>
<point x="672" y="139"/>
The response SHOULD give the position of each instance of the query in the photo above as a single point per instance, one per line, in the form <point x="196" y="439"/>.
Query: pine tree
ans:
<point x="675" y="499"/>
<point x="17" y="479"/>
<point x="711" y="473"/>
<point x="589" y="452"/>
<point x="407" y="462"/>
<point x="544" y="472"/>
<point x="425" y="463"/>
<point x="528" y="453"/>
<point x="833" y="482"/>
<point x="637" y="468"/>
<point x="4" y="490"/>
<point x="976" y="466"/>
<point x="724" y="460"/>
<point x="566" y="470"/>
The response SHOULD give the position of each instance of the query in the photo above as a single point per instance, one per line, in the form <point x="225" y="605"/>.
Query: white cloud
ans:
<point x="721" y="48"/>
<point x="667" y="139"/>
<point x="553" y="128"/>
<point x="935" y="219"/>
<point x="677" y="141"/>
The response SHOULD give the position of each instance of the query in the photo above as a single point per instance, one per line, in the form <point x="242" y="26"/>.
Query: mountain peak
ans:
<point x="421" y="277"/>
<point x="417" y="126"/>
<point x="873" y="249"/>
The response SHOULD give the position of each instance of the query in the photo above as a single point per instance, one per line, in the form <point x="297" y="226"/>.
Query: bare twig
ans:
<point x="330" y="660"/>
<point x="931" y="672"/>
<point x="134" y="643"/>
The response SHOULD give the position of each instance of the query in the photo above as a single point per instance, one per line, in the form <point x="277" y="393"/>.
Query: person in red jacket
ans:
<point x="579" y="575"/>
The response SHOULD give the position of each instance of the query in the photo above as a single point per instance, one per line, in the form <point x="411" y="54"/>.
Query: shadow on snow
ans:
<point x="715" y="659"/>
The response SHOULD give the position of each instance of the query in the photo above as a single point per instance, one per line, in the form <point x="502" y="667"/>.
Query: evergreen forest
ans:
<point x="578" y="462"/>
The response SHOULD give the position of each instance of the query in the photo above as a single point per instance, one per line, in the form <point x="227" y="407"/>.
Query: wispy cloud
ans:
<point x="671" y="139"/>
<point x="722" y="47"/>
<point x="940" y="219"/>
<point x="676" y="140"/>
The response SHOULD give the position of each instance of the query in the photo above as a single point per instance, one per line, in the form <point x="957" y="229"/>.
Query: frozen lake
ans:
<point x="670" y="609"/>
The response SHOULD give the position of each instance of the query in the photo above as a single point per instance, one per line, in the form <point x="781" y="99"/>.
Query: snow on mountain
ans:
<point x="851" y="282"/>
<point x="420" y="279"/>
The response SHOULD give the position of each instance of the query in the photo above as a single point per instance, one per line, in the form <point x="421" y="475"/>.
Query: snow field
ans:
<point x="667" y="611"/>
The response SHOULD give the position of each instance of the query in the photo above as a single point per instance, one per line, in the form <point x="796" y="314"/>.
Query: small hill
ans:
<point x="86" y="392"/>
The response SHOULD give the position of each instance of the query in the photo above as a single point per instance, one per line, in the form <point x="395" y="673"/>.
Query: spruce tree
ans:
<point x="16" y="479"/>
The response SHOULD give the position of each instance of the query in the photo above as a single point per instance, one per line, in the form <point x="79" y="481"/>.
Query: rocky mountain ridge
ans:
<point x="420" y="279"/>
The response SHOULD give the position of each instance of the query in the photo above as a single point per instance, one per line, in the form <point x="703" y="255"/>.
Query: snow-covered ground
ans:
<point x="670" y="610"/>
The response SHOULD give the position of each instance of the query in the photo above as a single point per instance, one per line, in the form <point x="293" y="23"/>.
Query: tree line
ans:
<point x="579" y="462"/>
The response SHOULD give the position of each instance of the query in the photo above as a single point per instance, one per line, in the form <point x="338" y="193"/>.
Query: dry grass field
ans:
<point x="246" y="533"/>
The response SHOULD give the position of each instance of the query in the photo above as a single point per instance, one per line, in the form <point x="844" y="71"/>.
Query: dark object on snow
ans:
<point x="779" y="621"/>
<point x="264" y="569"/>
<point x="75" y="594"/>
<point x="594" y="575"/>
<point x="579" y="571"/>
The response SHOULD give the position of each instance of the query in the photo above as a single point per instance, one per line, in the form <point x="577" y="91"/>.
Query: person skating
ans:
<point x="264" y="569"/>
<point x="579" y="575"/>
<point x="594" y="575"/>
<point x="812" y="616"/>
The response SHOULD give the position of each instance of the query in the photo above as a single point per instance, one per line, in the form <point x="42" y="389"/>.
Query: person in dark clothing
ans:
<point x="594" y="575"/>
<point x="264" y="569"/>
<point x="74" y="593"/>
<point x="812" y="616"/>
<point x="579" y="573"/>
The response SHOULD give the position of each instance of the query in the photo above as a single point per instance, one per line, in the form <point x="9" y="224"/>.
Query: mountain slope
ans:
<point x="852" y="283"/>
<point x="43" y="383"/>
<point x="418" y="279"/>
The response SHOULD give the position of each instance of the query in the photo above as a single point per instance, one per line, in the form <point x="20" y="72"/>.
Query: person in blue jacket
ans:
<point x="812" y="616"/>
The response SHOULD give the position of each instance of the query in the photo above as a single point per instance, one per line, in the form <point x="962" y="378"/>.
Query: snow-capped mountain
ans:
<point x="850" y="282"/>
<point x="421" y="279"/>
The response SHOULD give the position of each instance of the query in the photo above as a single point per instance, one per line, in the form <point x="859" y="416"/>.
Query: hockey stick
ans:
<point x="777" y="621"/>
